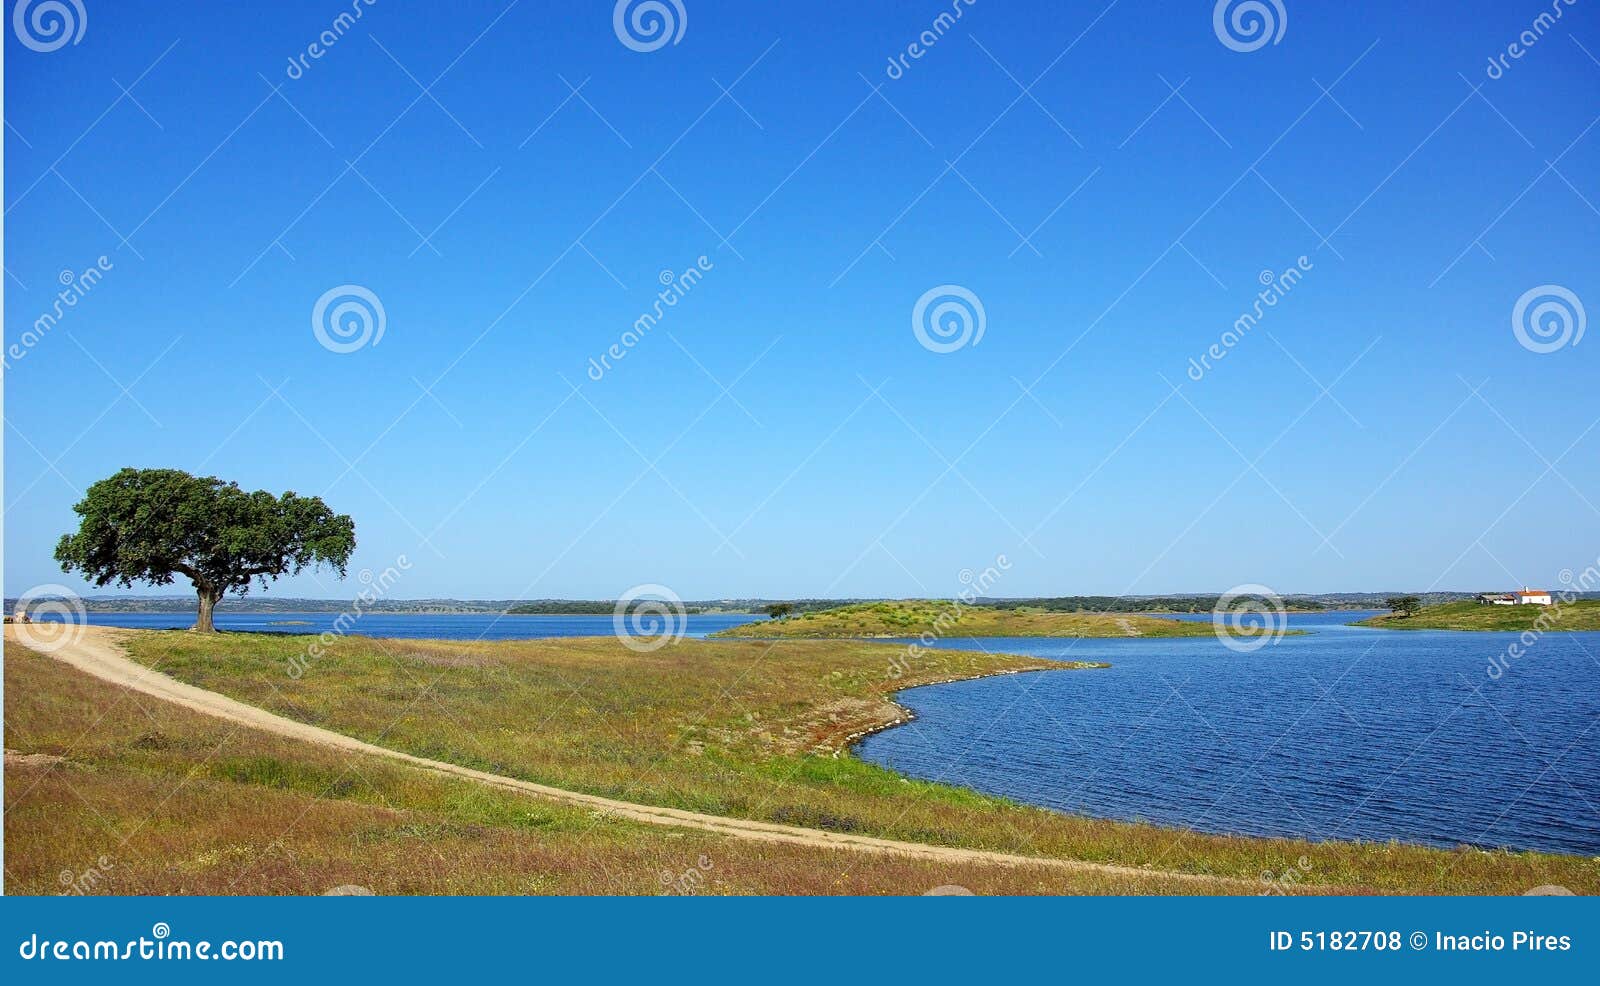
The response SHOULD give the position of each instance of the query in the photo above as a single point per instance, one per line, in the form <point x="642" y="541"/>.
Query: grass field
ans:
<point x="1583" y="614"/>
<point x="912" y="618"/>
<point x="747" y="729"/>
<point x="109" y="792"/>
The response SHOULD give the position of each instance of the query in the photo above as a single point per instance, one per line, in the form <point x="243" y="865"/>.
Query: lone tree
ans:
<point x="1404" y="605"/>
<point x="149" y="525"/>
<point x="780" y="611"/>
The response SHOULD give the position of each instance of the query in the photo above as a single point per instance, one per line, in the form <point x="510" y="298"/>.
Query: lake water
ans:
<point x="1344" y="733"/>
<point x="441" y="626"/>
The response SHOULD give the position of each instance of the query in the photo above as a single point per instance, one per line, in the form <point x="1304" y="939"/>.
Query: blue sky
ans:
<point x="1110" y="182"/>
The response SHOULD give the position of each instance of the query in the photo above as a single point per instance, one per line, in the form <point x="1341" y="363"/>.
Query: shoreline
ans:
<point x="849" y="744"/>
<point x="1580" y="615"/>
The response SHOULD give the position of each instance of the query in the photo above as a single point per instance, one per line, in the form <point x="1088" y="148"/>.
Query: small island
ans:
<point x="915" y="617"/>
<point x="1581" y="614"/>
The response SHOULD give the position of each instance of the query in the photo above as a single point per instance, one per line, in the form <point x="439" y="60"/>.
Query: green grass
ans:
<point x="148" y="798"/>
<point x="915" y="617"/>
<point x="1583" y="614"/>
<point x="749" y="729"/>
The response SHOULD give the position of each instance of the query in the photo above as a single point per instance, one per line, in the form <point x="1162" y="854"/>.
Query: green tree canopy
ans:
<point x="1404" y="605"/>
<point x="150" y="525"/>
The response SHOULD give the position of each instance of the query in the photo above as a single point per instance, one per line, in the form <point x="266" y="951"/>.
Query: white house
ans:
<point x="1522" y="597"/>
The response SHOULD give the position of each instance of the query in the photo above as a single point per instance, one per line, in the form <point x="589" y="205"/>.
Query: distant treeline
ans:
<point x="575" y="607"/>
<point x="1206" y="603"/>
<point x="1130" y="604"/>
<point x="589" y="607"/>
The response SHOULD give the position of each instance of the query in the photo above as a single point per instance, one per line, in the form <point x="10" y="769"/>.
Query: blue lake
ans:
<point x="1344" y="733"/>
<point x="441" y="626"/>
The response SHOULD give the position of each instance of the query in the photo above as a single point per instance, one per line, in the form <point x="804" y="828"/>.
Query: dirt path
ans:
<point x="95" y="651"/>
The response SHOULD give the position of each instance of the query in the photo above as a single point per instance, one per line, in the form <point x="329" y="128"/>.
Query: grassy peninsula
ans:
<point x="911" y="618"/>
<point x="183" y="803"/>
<point x="1582" y="614"/>
<point x="749" y="729"/>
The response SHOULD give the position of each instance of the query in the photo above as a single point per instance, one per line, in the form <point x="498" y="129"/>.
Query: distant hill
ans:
<point x="909" y="618"/>
<point x="577" y="607"/>
<point x="1582" y="614"/>
<point x="1133" y="604"/>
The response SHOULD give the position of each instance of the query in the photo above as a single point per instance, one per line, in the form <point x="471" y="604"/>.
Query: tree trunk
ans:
<point x="208" y="602"/>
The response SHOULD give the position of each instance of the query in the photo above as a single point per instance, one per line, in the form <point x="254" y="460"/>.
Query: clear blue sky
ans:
<point x="844" y="458"/>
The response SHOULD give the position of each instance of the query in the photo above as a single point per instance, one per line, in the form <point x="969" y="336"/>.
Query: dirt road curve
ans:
<point x="95" y="651"/>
